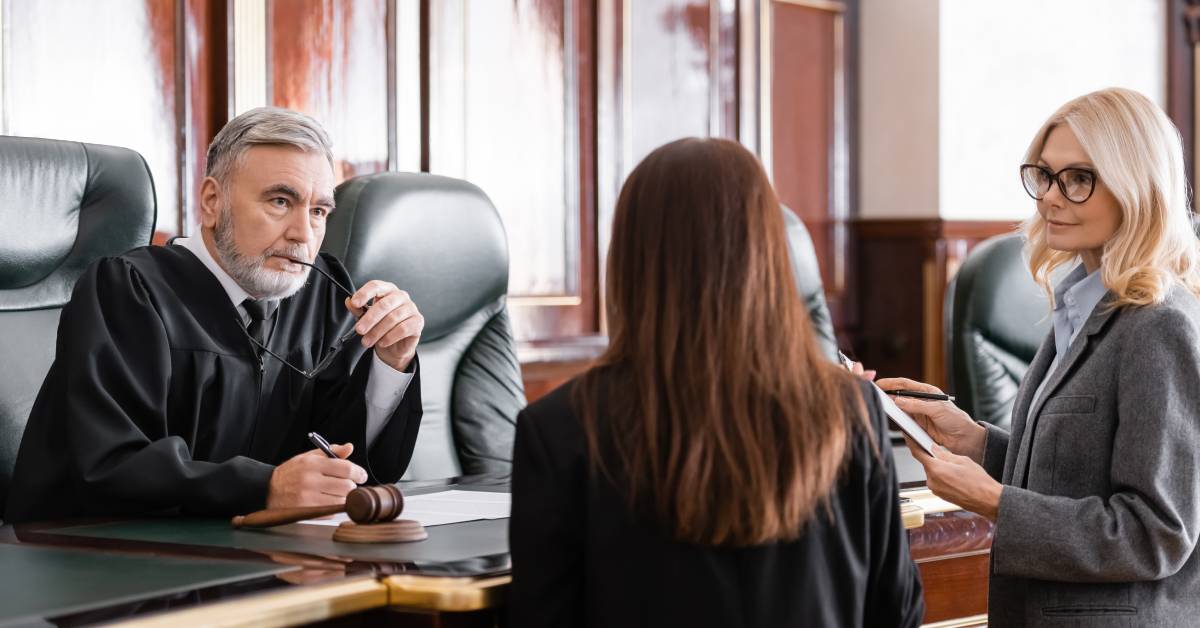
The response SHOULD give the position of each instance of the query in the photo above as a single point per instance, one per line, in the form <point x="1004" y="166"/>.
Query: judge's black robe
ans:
<point x="157" y="402"/>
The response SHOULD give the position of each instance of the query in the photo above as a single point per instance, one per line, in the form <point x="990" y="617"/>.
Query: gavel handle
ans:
<point x="279" y="516"/>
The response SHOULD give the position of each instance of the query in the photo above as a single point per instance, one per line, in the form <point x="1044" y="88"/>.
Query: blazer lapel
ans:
<point x="1094" y="324"/>
<point x="1020" y="412"/>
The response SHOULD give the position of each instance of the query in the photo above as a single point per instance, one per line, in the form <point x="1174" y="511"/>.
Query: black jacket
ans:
<point x="582" y="558"/>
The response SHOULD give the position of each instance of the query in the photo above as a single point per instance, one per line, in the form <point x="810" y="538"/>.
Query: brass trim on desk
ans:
<point x="446" y="594"/>
<point x="974" y="621"/>
<point x="290" y="607"/>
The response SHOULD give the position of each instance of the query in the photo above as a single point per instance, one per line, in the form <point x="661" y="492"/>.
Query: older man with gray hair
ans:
<point x="191" y="378"/>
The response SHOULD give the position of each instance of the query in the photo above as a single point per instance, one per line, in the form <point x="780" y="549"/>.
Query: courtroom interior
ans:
<point x="481" y="313"/>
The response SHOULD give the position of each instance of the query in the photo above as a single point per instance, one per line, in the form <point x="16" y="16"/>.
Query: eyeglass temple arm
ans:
<point x="336" y="283"/>
<point x="305" y="374"/>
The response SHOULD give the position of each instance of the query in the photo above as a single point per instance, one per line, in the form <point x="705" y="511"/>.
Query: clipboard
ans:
<point x="902" y="420"/>
<point x="899" y="418"/>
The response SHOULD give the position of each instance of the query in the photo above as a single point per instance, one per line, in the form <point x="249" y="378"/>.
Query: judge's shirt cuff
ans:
<point x="385" y="389"/>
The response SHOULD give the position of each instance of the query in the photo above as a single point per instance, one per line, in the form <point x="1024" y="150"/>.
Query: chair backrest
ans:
<point x="63" y="205"/>
<point x="996" y="318"/>
<point x="441" y="240"/>
<point x="808" y="279"/>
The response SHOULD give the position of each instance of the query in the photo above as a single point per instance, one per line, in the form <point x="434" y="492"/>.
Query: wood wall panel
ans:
<point x="329" y="59"/>
<point x="665" y="69"/>
<point x="902" y="270"/>
<point x="1183" y="32"/>
<point x="99" y="72"/>
<point x="205" y="102"/>
<point x="672" y="54"/>
<point x="802" y="120"/>
<point x="512" y="109"/>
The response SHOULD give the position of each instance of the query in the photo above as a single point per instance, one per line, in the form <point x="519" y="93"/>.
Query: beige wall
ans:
<point x="898" y="92"/>
<point x="952" y="91"/>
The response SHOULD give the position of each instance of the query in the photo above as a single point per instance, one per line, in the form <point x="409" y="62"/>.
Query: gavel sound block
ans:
<point x="372" y="511"/>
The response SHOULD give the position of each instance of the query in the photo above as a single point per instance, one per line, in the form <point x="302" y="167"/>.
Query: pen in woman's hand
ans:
<point x="920" y="395"/>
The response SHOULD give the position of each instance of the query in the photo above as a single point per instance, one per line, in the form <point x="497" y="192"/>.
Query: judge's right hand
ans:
<point x="949" y="426"/>
<point x="314" y="479"/>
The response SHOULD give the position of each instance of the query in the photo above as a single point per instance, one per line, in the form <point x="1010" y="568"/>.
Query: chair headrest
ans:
<point x="999" y="297"/>
<point x="440" y="239"/>
<point x="63" y="205"/>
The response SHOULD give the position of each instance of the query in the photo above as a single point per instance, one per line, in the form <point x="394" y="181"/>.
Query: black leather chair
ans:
<point x="996" y="318"/>
<point x="62" y="206"/>
<point x="442" y="241"/>
<point x="808" y="279"/>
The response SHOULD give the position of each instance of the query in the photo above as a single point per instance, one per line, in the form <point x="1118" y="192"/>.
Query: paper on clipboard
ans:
<point x="903" y="421"/>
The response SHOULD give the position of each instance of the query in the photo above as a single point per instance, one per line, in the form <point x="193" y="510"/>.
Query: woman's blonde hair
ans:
<point x="1138" y="156"/>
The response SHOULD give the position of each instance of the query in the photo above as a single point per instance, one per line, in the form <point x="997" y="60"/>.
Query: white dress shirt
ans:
<point x="385" y="385"/>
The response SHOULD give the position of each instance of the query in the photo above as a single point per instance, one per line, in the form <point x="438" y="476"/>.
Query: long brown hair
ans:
<point x="722" y="415"/>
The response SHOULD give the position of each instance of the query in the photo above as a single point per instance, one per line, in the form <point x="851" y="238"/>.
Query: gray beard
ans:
<point x="251" y="273"/>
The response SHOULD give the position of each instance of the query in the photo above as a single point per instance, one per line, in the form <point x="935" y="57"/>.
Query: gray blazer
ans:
<point x="1100" y="511"/>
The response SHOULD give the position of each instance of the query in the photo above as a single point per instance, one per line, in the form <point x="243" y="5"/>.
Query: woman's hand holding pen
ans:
<point x="953" y="472"/>
<point x="945" y="422"/>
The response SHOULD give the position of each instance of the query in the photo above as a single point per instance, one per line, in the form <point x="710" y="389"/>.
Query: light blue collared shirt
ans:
<point x="1074" y="299"/>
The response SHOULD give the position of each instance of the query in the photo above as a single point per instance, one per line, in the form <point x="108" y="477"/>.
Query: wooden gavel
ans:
<point x="365" y="504"/>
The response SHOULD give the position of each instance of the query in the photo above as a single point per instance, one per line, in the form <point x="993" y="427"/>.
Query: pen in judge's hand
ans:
<point x="322" y="444"/>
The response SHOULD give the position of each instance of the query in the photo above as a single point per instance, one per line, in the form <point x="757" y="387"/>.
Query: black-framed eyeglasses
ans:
<point x="1076" y="184"/>
<point x="334" y="349"/>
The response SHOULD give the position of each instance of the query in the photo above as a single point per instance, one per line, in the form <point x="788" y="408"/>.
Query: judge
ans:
<point x="187" y="377"/>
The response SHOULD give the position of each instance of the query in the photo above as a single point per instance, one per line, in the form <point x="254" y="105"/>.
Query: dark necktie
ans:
<point x="260" y="319"/>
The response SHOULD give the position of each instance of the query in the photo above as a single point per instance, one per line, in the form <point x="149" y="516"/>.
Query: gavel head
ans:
<point x="374" y="504"/>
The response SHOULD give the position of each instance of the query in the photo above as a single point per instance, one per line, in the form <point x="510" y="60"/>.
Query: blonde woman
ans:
<point x="1095" y="493"/>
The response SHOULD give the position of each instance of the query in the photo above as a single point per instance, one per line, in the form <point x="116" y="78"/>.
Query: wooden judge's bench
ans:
<point x="175" y="572"/>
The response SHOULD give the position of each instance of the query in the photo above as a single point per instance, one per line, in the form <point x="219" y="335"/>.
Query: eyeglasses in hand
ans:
<point x="333" y="349"/>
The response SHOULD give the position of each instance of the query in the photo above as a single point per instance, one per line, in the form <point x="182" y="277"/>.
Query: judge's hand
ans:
<point x="314" y="479"/>
<point x="959" y="480"/>
<point x="392" y="325"/>
<point x="946" y="423"/>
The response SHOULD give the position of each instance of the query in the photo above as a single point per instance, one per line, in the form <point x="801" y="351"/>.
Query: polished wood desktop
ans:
<point x="299" y="576"/>
<point x="181" y="572"/>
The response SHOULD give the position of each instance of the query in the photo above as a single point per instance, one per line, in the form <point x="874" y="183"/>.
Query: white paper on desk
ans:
<point x="903" y="421"/>
<point x="435" y="509"/>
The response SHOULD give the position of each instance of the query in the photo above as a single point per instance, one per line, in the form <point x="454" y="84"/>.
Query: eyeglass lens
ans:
<point x="1076" y="184"/>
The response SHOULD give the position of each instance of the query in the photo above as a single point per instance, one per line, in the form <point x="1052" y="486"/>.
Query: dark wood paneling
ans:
<point x="512" y="108"/>
<point x="329" y="59"/>
<point x="546" y="365"/>
<point x="802" y="120"/>
<point x="58" y="86"/>
<point x="206" y="95"/>
<point x="952" y="552"/>
<point x="903" y="268"/>
<point x="1183" y="31"/>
